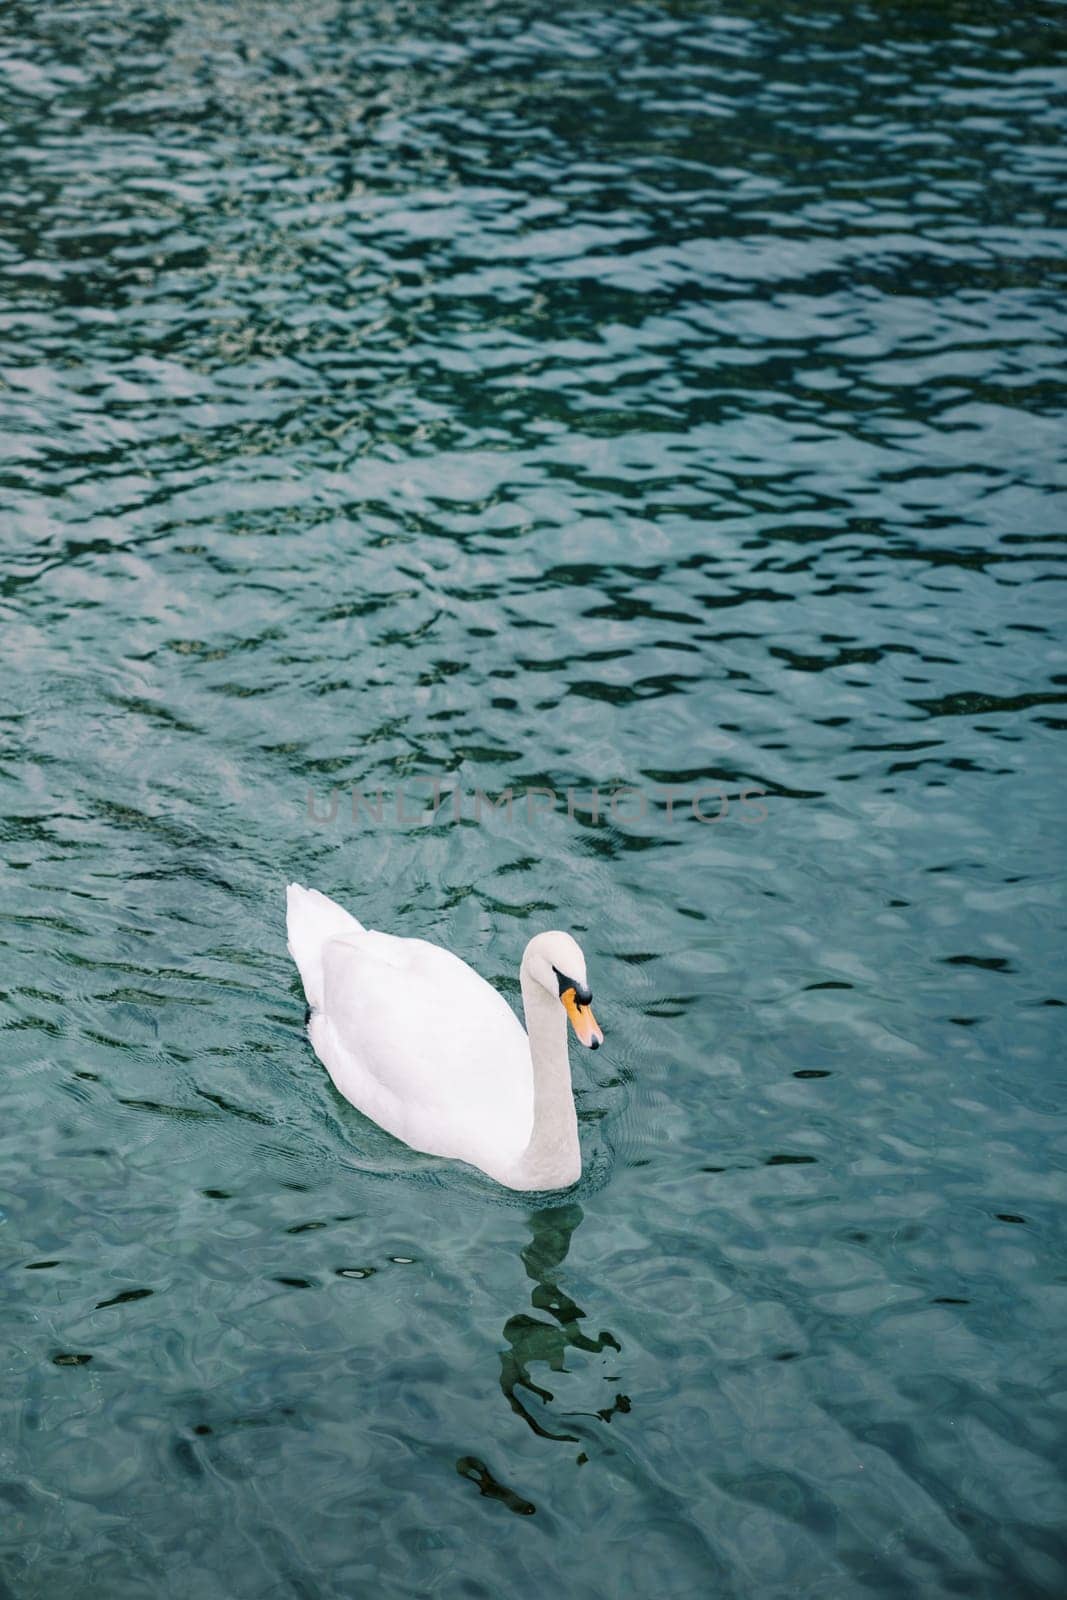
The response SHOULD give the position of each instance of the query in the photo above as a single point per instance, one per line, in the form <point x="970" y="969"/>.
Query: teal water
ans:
<point x="661" y="396"/>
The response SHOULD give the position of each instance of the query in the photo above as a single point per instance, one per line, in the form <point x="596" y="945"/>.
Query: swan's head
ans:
<point x="556" y="962"/>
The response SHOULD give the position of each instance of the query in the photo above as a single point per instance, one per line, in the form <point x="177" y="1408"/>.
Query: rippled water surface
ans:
<point x="657" y="396"/>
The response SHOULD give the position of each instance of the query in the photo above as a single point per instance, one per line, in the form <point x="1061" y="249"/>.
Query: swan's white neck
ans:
<point x="553" y="1158"/>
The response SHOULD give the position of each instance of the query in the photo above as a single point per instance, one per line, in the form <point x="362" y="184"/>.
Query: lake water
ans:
<point x="659" y="397"/>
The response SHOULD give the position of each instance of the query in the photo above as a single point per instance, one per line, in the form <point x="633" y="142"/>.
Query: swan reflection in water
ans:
<point x="534" y="1340"/>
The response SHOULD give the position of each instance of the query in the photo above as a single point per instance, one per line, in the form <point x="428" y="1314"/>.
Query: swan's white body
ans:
<point x="425" y="1047"/>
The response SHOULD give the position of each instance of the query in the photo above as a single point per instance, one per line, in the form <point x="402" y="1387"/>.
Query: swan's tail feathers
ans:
<point x="311" y="919"/>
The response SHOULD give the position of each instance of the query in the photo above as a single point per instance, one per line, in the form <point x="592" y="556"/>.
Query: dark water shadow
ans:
<point x="537" y="1341"/>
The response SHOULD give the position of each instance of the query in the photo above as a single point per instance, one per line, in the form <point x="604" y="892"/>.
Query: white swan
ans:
<point x="425" y="1047"/>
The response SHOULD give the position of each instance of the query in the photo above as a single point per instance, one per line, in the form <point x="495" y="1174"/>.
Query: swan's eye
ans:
<point x="583" y="995"/>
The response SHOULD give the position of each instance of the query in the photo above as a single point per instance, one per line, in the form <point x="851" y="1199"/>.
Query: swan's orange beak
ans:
<point x="583" y="1021"/>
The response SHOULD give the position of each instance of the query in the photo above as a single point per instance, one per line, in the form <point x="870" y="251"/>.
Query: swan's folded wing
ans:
<point x="441" y="1041"/>
<point x="311" y="918"/>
